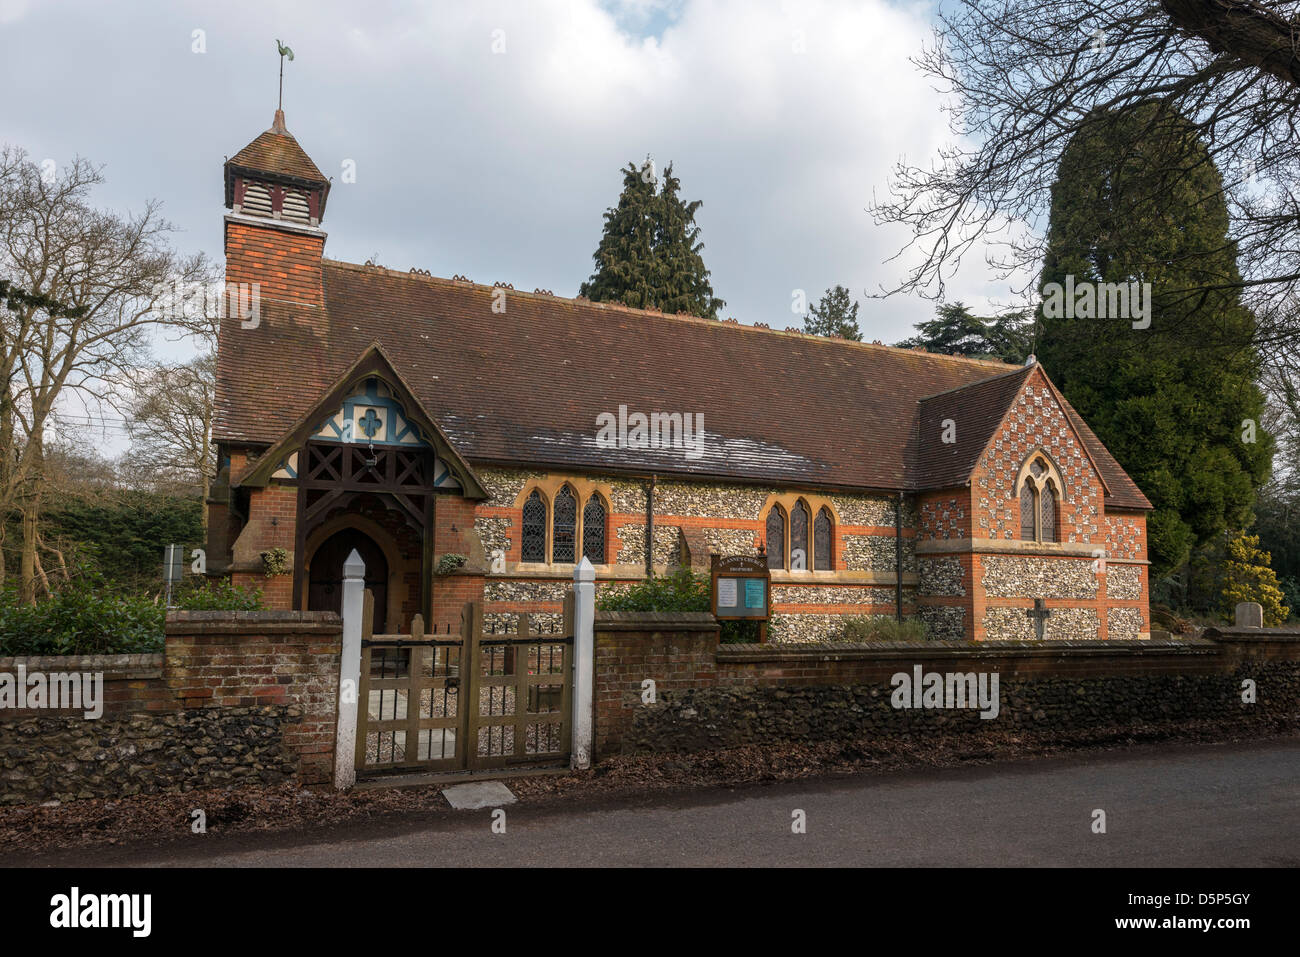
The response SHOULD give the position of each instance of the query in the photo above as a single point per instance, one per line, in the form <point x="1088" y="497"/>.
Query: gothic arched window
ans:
<point x="593" y="530"/>
<point x="776" y="537"/>
<point x="1047" y="513"/>
<point x="565" y="526"/>
<point x="533" y="540"/>
<point x="822" y="541"/>
<point x="1040" y="501"/>
<point x="799" y="536"/>
<point x="1028" y="507"/>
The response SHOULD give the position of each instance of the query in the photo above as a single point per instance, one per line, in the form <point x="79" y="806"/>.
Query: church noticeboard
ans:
<point x="741" y="588"/>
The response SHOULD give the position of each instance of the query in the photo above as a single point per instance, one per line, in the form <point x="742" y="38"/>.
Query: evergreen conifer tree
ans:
<point x="1175" y="402"/>
<point x="835" y="315"/>
<point x="649" y="255"/>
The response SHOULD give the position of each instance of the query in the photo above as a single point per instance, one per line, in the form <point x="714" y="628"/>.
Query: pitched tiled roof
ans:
<point x="278" y="153"/>
<point x="975" y="410"/>
<point x="525" y="386"/>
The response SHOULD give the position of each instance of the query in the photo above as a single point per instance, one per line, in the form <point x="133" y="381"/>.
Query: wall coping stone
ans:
<point x="113" y="666"/>
<point x="655" y="621"/>
<point x="1235" y="634"/>
<point x="253" y="623"/>
<point x="900" y="650"/>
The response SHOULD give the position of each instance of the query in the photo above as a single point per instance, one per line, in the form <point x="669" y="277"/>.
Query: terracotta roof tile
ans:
<point x="278" y="153"/>
<point x="525" y="386"/>
<point x="975" y="411"/>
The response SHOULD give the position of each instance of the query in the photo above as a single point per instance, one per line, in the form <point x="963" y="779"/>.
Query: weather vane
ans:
<point x="284" y="52"/>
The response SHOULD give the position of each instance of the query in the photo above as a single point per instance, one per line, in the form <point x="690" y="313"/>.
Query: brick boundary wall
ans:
<point x="235" y="697"/>
<point x="715" y="696"/>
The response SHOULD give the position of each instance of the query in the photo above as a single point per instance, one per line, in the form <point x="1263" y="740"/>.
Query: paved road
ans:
<point x="1221" y="805"/>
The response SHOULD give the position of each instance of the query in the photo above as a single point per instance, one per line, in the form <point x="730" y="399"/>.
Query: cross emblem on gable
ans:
<point x="1040" y="613"/>
<point x="370" y="423"/>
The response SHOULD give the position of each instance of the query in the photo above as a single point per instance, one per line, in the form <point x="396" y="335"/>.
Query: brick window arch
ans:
<point x="563" y="520"/>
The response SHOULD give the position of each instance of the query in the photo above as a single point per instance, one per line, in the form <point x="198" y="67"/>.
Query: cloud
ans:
<point x="783" y="118"/>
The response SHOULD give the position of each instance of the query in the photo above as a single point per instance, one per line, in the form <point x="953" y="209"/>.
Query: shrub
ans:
<point x="83" y="618"/>
<point x="217" y="594"/>
<point x="1248" y="577"/>
<point x="859" y="628"/>
<point x="683" y="590"/>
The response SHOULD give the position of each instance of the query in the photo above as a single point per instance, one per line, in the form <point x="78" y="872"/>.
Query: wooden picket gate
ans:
<point x="465" y="700"/>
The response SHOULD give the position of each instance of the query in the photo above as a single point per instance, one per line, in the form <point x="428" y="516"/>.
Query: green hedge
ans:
<point x="88" y="617"/>
<point x="683" y="590"/>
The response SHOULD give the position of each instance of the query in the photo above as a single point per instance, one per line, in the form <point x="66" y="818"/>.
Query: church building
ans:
<point x="475" y="441"/>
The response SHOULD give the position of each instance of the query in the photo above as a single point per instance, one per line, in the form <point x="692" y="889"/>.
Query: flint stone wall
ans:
<point x="719" y="696"/>
<point x="1039" y="578"/>
<point x="235" y="697"/>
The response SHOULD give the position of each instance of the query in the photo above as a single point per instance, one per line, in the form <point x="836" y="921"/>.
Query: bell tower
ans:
<point x="272" y="178"/>
<point x="276" y="199"/>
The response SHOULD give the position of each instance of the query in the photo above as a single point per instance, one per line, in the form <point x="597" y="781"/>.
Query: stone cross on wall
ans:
<point x="1040" y="613"/>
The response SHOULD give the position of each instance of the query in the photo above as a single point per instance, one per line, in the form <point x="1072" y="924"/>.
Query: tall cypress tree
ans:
<point x="649" y="253"/>
<point x="1174" y="402"/>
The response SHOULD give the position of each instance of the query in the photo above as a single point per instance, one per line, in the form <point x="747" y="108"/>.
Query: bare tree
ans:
<point x="1024" y="76"/>
<point x="171" y="425"/>
<point x="105" y="270"/>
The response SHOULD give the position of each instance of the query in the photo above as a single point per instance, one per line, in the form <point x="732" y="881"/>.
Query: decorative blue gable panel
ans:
<point x="372" y="416"/>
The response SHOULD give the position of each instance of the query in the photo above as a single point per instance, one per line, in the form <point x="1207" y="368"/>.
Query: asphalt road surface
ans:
<point x="1179" y="806"/>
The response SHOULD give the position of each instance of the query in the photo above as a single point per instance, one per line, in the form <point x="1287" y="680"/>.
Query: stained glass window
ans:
<point x="1027" y="507"/>
<point x="1038" y="468"/>
<point x="593" y="530"/>
<point x="822" y="541"/>
<point x="533" y="545"/>
<point x="1049" y="513"/>
<point x="776" y="537"/>
<point x="566" y="521"/>
<point x="799" y="535"/>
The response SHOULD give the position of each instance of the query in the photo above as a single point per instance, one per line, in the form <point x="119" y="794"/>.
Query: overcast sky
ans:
<point x="499" y="165"/>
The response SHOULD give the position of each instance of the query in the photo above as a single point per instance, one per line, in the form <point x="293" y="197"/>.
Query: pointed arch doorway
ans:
<point x="325" y="578"/>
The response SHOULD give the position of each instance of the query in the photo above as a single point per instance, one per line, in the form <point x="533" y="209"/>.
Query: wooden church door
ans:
<point x="325" y="586"/>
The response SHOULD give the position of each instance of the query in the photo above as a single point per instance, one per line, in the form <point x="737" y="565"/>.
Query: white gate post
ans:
<point x="584" y="620"/>
<point x="345" y="746"/>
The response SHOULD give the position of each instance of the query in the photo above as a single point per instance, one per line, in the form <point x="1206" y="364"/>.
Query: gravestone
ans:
<point x="1250" y="614"/>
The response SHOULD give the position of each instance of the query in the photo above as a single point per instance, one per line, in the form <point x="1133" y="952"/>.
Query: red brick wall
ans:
<point x="675" y="650"/>
<point x="131" y="682"/>
<point x="286" y="264"/>
<point x="227" y="659"/>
